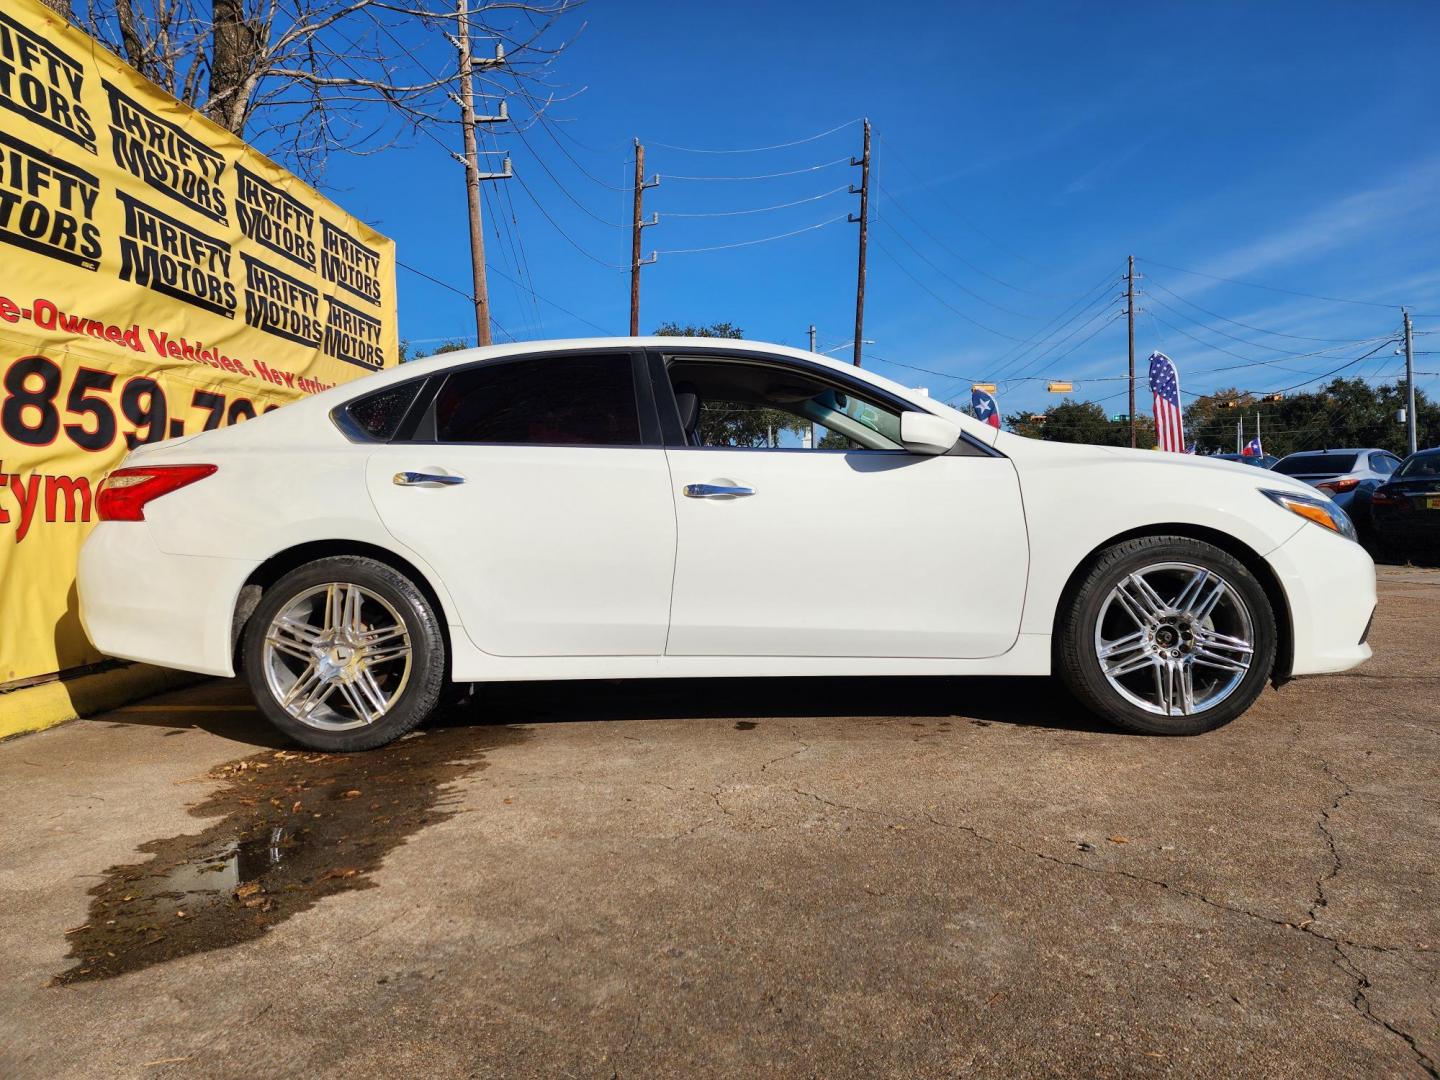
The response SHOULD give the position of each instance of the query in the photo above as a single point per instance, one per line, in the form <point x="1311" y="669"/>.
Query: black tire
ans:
<point x="1080" y="668"/>
<point x="427" y="676"/>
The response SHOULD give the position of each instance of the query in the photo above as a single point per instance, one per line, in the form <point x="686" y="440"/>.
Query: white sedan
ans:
<point x="673" y="507"/>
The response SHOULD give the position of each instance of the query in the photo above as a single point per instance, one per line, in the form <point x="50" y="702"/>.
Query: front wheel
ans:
<point x="1168" y="636"/>
<point x="344" y="654"/>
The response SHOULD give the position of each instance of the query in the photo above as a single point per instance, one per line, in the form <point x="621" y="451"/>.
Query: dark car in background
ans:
<point x="1347" y="476"/>
<point x="1405" y="510"/>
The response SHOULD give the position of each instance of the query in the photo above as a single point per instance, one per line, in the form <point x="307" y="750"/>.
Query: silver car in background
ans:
<point x="1347" y="476"/>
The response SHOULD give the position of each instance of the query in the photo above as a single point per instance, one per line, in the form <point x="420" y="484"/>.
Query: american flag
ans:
<point x="1165" y="385"/>
<point x="983" y="403"/>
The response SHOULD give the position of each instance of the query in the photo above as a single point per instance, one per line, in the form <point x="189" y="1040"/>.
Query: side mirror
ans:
<point x="926" y="433"/>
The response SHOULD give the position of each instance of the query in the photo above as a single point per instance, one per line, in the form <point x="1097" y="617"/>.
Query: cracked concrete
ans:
<point x="922" y="878"/>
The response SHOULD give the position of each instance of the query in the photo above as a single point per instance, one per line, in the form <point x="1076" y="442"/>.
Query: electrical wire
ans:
<point x="566" y="191"/>
<point x="1237" y="322"/>
<point x="1276" y="288"/>
<point x="948" y="249"/>
<point x="756" y="210"/>
<point x="457" y="291"/>
<point x="758" y="149"/>
<point x="568" y="238"/>
<point x="940" y="299"/>
<point x="765" y="176"/>
<point x="751" y="243"/>
<point x="1008" y="359"/>
<point x="953" y="281"/>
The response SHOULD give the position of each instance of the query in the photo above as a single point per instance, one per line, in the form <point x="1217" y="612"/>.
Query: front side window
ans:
<point x="558" y="400"/>
<point x="765" y="406"/>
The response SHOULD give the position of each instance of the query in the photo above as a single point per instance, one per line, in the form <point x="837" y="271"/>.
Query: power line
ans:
<point x="953" y="281"/>
<point x="755" y="210"/>
<point x="1241" y="341"/>
<point x="758" y="149"/>
<point x="566" y="191"/>
<point x="940" y="299"/>
<point x="765" y="176"/>
<point x="1013" y="355"/>
<point x="545" y="127"/>
<point x="1276" y="288"/>
<point x="568" y="238"/>
<point x="1237" y="322"/>
<point x="457" y="291"/>
<point x="951" y="251"/>
<point x="751" y="243"/>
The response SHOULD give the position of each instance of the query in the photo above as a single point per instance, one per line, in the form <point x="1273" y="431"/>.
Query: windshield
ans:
<point x="1420" y="466"/>
<point x="1301" y="464"/>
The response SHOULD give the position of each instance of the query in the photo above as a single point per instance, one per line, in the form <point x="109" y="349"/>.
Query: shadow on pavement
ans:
<point x="224" y="707"/>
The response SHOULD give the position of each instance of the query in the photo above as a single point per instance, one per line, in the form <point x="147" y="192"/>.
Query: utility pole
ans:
<point x="637" y="225"/>
<point x="470" y="160"/>
<point x="864" y="219"/>
<point x="1409" y="384"/>
<point x="812" y="337"/>
<point x="1130" y="319"/>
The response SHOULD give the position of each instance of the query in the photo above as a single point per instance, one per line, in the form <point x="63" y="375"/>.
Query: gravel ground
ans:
<point x="919" y="878"/>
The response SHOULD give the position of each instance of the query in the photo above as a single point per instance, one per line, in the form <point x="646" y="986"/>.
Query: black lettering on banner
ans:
<point x="43" y="83"/>
<point x="274" y="218"/>
<point x="353" y="336"/>
<point x="349" y="263"/>
<point x="165" y="155"/>
<point x="170" y="257"/>
<point x="278" y="304"/>
<point x="48" y="205"/>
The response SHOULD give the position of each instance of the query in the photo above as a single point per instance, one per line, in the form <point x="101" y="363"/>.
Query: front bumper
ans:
<point x="1329" y="584"/>
<point x="140" y="603"/>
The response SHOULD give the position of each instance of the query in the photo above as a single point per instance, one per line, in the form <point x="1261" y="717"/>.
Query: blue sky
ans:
<point x="1021" y="152"/>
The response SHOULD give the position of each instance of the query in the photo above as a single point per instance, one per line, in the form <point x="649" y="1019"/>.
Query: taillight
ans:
<point x="1338" y="486"/>
<point x="1381" y="497"/>
<point x="126" y="491"/>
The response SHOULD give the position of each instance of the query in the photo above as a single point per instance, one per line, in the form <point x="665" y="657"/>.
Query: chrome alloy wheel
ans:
<point x="1174" y="638"/>
<point x="337" y="657"/>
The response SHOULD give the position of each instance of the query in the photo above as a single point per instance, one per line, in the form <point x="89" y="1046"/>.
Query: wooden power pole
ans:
<point x="864" y="219"/>
<point x="1130" y="319"/>
<point x="471" y="161"/>
<point x="637" y="225"/>
<point x="1410" y="430"/>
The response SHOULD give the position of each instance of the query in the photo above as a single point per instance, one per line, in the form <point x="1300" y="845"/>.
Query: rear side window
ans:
<point x="1304" y="464"/>
<point x="1383" y="464"/>
<point x="564" y="400"/>
<point x="378" y="415"/>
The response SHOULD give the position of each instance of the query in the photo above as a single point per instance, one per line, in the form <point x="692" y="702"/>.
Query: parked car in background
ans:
<point x="1266" y="461"/>
<point x="1405" y="510"/>
<point x="1347" y="476"/>
<point x="595" y="509"/>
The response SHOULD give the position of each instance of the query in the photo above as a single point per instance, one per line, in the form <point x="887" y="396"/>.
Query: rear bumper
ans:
<point x="1329" y="584"/>
<point x="140" y="603"/>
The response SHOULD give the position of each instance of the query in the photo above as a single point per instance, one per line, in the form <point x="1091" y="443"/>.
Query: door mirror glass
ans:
<point x="926" y="433"/>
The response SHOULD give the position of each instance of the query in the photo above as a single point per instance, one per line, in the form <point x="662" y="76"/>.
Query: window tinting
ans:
<point x="379" y="414"/>
<point x="1304" y="464"/>
<point x="577" y="400"/>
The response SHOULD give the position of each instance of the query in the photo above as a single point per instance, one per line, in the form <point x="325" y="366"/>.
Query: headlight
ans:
<point x="1317" y="509"/>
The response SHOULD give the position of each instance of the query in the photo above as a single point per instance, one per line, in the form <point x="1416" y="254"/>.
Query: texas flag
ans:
<point x="982" y="402"/>
<point x="1252" y="448"/>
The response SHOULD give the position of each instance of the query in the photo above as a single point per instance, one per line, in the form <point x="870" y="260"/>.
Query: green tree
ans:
<point x="1080" y="422"/>
<point x="420" y="354"/>
<point x="735" y="423"/>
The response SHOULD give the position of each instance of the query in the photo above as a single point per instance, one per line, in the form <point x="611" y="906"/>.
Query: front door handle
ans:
<point x="412" y="479"/>
<point x="718" y="491"/>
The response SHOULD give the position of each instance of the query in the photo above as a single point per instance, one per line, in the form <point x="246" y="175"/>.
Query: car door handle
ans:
<point x="412" y="479"/>
<point x="717" y="491"/>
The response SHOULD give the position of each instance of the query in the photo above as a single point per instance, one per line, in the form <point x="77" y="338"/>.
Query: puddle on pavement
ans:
<point x="291" y="828"/>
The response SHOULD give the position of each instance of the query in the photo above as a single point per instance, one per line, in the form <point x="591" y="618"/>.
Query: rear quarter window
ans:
<point x="378" y="415"/>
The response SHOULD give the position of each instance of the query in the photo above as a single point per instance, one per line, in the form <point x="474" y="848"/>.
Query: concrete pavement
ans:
<point x="769" y="878"/>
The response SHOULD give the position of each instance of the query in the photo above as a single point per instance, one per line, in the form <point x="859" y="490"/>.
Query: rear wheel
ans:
<point x="344" y="654"/>
<point x="1167" y="635"/>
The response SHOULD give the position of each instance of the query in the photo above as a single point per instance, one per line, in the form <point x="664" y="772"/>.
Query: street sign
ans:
<point x="1120" y="418"/>
<point x="988" y="387"/>
<point x="1060" y="387"/>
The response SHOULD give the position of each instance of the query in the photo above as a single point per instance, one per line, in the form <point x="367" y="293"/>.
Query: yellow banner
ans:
<point x="158" y="277"/>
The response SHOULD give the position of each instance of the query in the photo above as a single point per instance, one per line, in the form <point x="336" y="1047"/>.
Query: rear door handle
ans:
<point x="717" y="491"/>
<point x="413" y="479"/>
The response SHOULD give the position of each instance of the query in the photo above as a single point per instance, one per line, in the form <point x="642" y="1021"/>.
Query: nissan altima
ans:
<point x="668" y="508"/>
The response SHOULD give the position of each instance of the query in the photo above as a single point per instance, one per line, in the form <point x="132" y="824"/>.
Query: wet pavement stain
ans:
<point x="291" y="828"/>
<point x="745" y="725"/>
